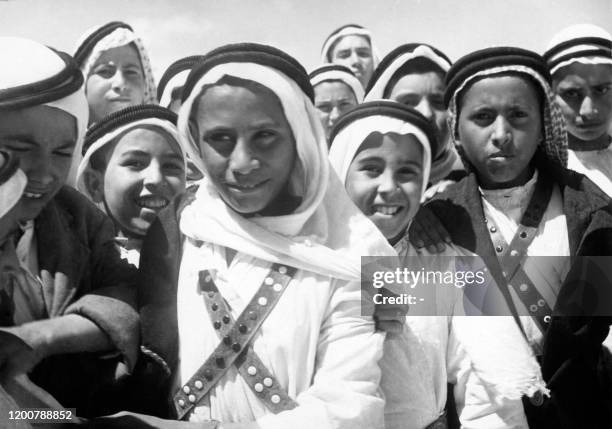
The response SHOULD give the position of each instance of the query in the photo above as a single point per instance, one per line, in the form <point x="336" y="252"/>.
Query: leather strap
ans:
<point x="512" y="256"/>
<point x="234" y="347"/>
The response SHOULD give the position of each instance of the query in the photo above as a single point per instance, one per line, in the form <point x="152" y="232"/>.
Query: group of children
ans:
<point x="199" y="265"/>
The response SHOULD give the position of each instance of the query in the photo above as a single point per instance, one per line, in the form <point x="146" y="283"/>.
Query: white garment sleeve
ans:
<point x="344" y="390"/>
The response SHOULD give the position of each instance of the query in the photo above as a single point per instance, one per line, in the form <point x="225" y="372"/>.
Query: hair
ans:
<point x="230" y="81"/>
<point x="417" y="65"/>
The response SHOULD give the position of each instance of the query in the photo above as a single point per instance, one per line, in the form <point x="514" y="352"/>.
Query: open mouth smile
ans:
<point x="386" y="210"/>
<point x="152" y="202"/>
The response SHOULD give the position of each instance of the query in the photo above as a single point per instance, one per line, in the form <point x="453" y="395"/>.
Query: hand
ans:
<point x="126" y="419"/>
<point x="390" y="318"/>
<point x="427" y="231"/>
<point x="437" y="188"/>
<point x="20" y="351"/>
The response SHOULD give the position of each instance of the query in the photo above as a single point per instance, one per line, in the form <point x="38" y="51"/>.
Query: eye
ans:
<point x="173" y="168"/>
<point x="407" y="173"/>
<point x="219" y="137"/>
<point x="601" y="89"/>
<point x="371" y="170"/>
<point x="364" y="53"/>
<point x="64" y="153"/>
<point x="133" y="73"/>
<point x="18" y="147"/>
<point x="571" y="93"/>
<point x="483" y="117"/>
<point x="410" y="100"/>
<point x="324" y="107"/>
<point x="343" y="54"/>
<point x="265" y="138"/>
<point x="105" y="70"/>
<point x="437" y="102"/>
<point x="134" y="164"/>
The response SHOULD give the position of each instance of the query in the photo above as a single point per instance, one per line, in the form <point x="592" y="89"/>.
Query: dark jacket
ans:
<point x="574" y="361"/>
<point x="82" y="272"/>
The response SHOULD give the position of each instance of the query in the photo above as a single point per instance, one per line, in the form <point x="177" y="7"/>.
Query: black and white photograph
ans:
<point x="318" y="214"/>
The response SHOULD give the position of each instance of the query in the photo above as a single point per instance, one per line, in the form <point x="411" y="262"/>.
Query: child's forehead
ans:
<point x="390" y="143"/>
<point x="39" y="121"/>
<point x="580" y="72"/>
<point x="147" y="137"/>
<point x="126" y="54"/>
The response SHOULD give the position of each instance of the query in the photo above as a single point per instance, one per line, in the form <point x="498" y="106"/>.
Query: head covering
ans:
<point x="117" y="124"/>
<point x="326" y="234"/>
<point x="445" y="156"/>
<point x="397" y="58"/>
<point x="580" y="43"/>
<point x="12" y="182"/>
<point x="175" y="76"/>
<point x="109" y="36"/>
<point x="509" y="60"/>
<point x="381" y="116"/>
<point x="337" y="72"/>
<point x="339" y="33"/>
<point x="33" y="74"/>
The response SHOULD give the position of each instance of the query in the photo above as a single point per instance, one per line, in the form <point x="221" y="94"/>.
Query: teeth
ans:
<point x="32" y="195"/>
<point x="387" y="210"/>
<point x="152" y="202"/>
<point x="245" y="186"/>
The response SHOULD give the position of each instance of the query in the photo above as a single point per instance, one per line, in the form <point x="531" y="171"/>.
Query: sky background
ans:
<point x="172" y="29"/>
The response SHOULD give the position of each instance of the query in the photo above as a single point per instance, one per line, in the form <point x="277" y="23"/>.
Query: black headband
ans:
<point x="123" y="117"/>
<point x="330" y="67"/>
<point x="392" y="109"/>
<point x="90" y="42"/>
<point x="251" y="53"/>
<point x="394" y="54"/>
<point x="485" y="59"/>
<point x="597" y="46"/>
<point x="175" y="68"/>
<point x="53" y="88"/>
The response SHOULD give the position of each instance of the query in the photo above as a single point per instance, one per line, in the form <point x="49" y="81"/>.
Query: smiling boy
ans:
<point x="68" y="268"/>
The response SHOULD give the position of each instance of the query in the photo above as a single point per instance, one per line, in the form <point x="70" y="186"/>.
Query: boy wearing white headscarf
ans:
<point x="68" y="274"/>
<point x="275" y="291"/>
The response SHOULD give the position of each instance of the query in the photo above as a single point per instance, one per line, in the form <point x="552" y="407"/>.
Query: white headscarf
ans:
<point x="423" y="51"/>
<point x="147" y="123"/>
<point x="338" y="75"/>
<point x="348" y="30"/>
<point x="578" y="31"/>
<point x="345" y="145"/>
<point x="27" y="62"/>
<point x="121" y="37"/>
<point x="326" y="234"/>
<point x="12" y="188"/>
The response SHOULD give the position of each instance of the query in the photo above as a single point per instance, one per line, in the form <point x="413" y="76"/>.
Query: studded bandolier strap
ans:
<point x="235" y="346"/>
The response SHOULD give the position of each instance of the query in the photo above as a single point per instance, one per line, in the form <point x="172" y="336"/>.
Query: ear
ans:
<point x="94" y="183"/>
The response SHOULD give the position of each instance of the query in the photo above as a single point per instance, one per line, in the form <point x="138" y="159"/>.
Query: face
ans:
<point x="355" y="53"/>
<point x="332" y="100"/>
<point x="144" y="171"/>
<point x="584" y="92"/>
<point x="116" y="81"/>
<point x="425" y="93"/>
<point x="43" y="139"/>
<point x="385" y="180"/>
<point x="247" y="146"/>
<point x="499" y="129"/>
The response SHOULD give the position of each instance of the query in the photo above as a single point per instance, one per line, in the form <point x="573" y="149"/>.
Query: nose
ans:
<point x="119" y="82"/>
<point x="40" y="171"/>
<point x="354" y="58"/>
<point x="501" y="134"/>
<point x="334" y="114"/>
<point x="424" y="107"/>
<point x="588" y="108"/>
<point x="242" y="160"/>
<point x="387" y="183"/>
<point x="153" y="174"/>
